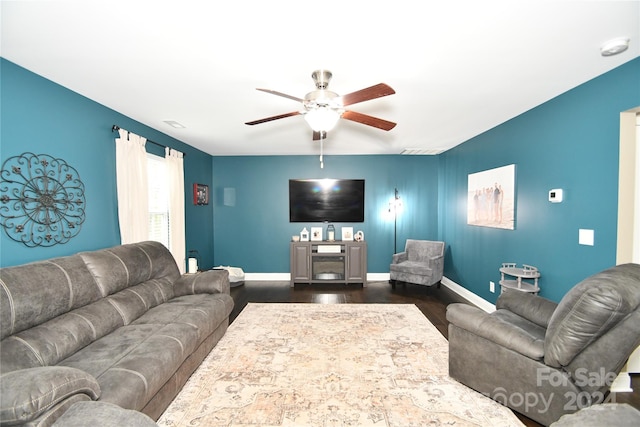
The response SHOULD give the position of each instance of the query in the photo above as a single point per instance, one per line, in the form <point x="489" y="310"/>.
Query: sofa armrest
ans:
<point x="494" y="329"/>
<point x="205" y="282"/>
<point x="531" y="307"/>
<point x="399" y="257"/>
<point x="26" y="394"/>
<point x="436" y="263"/>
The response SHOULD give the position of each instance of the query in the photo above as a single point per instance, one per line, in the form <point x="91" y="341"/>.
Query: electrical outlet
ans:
<point x="492" y="286"/>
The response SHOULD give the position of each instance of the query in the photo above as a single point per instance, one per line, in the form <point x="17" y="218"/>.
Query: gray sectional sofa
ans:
<point x="118" y="325"/>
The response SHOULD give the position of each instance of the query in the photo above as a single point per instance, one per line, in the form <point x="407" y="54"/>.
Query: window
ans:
<point x="158" y="199"/>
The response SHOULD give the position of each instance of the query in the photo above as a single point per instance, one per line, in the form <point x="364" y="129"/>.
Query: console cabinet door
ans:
<point x="300" y="258"/>
<point x="357" y="263"/>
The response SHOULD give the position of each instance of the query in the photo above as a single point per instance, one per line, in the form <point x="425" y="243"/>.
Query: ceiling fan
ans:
<point x="322" y="108"/>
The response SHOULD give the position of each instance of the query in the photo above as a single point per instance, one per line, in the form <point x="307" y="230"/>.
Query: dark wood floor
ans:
<point x="432" y="301"/>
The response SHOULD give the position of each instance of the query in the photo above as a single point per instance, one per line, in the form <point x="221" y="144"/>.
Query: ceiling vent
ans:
<point x="421" y="152"/>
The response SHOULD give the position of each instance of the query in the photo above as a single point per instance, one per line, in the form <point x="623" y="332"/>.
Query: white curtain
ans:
<point x="175" y="178"/>
<point x="133" y="199"/>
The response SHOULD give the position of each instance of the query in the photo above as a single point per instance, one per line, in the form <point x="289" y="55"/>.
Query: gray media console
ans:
<point x="329" y="262"/>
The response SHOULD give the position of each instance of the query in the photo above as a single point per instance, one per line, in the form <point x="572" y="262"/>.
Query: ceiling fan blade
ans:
<point x="318" y="135"/>
<point x="368" y="120"/>
<point x="273" y="92"/>
<point x="268" y="119"/>
<point x="373" y="92"/>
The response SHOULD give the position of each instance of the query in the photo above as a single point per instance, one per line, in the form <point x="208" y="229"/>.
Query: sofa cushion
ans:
<point x="411" y="267"/>
<point x="532" y="307"/>
<point x="123" y="266"/>
<point x="205" y="312"/>
<point x="28" y="393"/>
<point x="590" y="309"/>
<point x="31" y="294"/>
<point x="133" y="362"/>
<point x="421" y="250"/>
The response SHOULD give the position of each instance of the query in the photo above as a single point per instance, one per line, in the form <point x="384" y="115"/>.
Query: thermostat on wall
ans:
<point x="555" y="195"/>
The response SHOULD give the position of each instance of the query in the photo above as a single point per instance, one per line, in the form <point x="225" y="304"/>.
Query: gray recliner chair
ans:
<point x="544" y="359"/>
<point x="422" y="263"/>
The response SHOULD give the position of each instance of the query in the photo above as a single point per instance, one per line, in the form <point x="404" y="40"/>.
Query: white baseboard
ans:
<point x="268" y="277"/>
<point x="622" y="383"/>
<point x="633" y="365"/>
<point x="377" y="277"/>
<point x="468" y="295"/>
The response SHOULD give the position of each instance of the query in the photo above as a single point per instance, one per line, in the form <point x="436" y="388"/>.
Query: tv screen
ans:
<point x="326" y="200"/>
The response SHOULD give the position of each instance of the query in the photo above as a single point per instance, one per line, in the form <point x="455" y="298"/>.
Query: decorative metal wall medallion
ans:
<point x="41" y="200"/>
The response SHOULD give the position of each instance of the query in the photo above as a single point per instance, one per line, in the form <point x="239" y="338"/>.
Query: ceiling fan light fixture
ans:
<point x="322" y="119"/>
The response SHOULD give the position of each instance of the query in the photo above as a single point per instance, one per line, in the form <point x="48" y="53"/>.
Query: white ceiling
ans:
<point x="458" y="67"/>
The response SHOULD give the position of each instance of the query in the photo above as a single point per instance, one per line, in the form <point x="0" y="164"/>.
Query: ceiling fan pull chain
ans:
<point x="321" y="160"/>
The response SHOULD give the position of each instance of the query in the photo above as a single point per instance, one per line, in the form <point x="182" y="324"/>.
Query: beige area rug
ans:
<point x="331" y="365"/>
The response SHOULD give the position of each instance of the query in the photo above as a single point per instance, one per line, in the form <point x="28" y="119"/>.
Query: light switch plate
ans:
<point x="585" y="237"/>
<point x="555" y="195"/>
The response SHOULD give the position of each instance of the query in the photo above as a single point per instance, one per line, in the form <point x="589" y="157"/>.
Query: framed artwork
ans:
<point x="304" y="235"/>
<point x="200" y="194"/>
<point x="316" y="234"/>
<point x="347" y="233"/>
<point x="491" y="198"/>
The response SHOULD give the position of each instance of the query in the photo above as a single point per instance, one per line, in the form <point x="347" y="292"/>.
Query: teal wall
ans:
<point x="41" y="117"/>
<point x="570" y="142"/>
<point x="255" y="233"/>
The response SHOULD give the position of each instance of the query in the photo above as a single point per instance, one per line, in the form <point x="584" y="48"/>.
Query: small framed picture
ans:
<point x="316" y="234"/>
<point x="304" y="235"/>
<point x="347" y="233"/>
<point x="200" y="194"/>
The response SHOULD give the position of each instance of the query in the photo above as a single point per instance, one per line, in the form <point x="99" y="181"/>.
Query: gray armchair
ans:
<point x="422" y="263"/>
<point x="544" y="359"/>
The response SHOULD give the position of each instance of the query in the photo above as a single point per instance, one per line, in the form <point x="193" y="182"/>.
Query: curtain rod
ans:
<point x="116" y="128"/>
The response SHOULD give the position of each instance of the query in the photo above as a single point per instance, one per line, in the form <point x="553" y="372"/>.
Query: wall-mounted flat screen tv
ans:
<point x="326" y="200"/>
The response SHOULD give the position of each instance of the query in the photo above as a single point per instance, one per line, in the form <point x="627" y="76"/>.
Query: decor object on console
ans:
<point x="359" y="236"/>
<point x="304" y="235"/>
<point x="316" y="234"/>
<point x="567" y="354"/>
<point x="118" y="325"/>
<point x="347" y="233"/>
<point x="331" y="233"/>
<point x="42" y="198"/>
<point x="520" y="283"/>
<point x="421" y="263"/>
